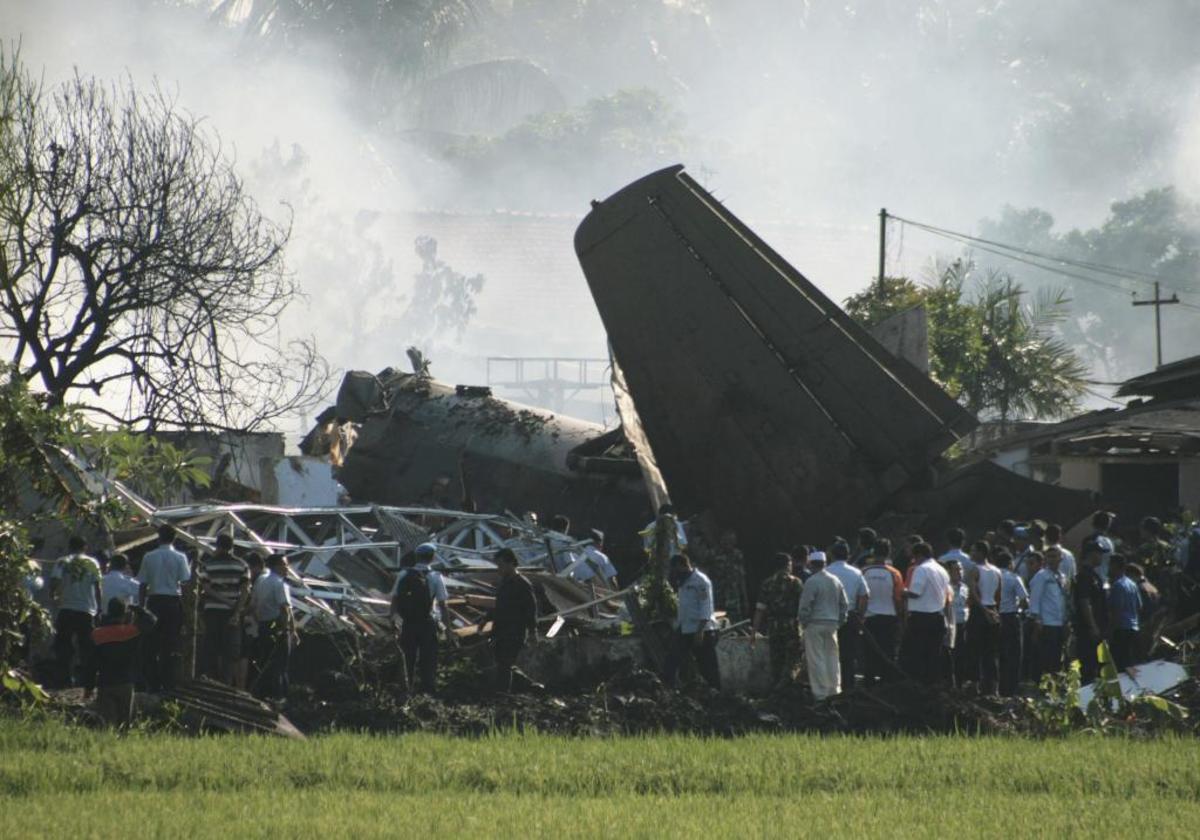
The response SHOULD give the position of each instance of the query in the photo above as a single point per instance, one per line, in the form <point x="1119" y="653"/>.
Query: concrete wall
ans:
<point x="300" y="481"/>
<point x="1189" y="484"/>
<point x="1080" y="474"/>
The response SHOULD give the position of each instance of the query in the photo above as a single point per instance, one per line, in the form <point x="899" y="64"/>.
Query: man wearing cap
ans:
<point x="1091" y="611"/>
<point x="929" y="596"/>
<point x="419" y="598"/>
<point x="849" y="634"/>
<point x="514" y="617"/>
<point x="823" y="609"/>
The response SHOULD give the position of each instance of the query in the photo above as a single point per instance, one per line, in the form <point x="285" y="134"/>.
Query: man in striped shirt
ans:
<point x="224" y="580"/>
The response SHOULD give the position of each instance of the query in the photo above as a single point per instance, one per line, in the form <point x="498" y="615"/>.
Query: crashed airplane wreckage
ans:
<point x="743" y="389"/>
<point x="404" y="439"/>
<point x="760" y="399"/>
<point x="345" y="559"/>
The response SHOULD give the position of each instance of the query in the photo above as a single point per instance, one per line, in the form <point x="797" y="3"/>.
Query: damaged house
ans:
<point x="1139" y="460"/>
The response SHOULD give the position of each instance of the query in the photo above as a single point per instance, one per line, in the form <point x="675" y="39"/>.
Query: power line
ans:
<point x="1115" y="271"/>
<point x="1030" y="257"/>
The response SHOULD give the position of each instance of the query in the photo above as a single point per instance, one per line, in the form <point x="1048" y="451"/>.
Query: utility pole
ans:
<point x="1158" y="303"/>
<point x="883" y="217"/>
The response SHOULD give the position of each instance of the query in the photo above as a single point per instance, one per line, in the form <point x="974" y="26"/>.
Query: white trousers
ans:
<point x="821" y="655"/>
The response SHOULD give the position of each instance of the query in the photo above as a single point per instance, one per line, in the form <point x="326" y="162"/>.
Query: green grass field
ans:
<point x="57" y="781"/>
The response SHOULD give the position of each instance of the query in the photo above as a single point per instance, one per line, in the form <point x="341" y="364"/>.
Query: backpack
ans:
<point x="412" y="600"/>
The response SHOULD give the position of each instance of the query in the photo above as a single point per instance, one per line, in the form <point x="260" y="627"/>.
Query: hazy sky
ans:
<point x="804" y="117"/>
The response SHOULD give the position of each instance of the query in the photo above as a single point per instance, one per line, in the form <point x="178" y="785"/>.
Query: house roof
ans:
<point x="1176" y="380"/>
<point x="1158" y="427"/>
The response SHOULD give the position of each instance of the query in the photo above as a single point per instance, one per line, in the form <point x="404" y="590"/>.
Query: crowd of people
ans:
<point x="114" y="630"/>
<point x="991" y="614"/>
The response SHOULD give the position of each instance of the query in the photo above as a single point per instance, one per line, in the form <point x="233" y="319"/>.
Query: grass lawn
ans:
<point x="57" y="781"/>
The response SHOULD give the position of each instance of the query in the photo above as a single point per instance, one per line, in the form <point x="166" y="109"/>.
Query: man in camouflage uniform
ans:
<point x="727" y="570"/>
<point x="778" y="607"/>
<point x="1155" y="555"/>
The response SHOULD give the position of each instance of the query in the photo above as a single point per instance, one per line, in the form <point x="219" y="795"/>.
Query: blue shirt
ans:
<point x="852" y="581"/>
<point x="163" y="570"/>
<point x="1125" y="601"/>
<point x="696" y="604"/>
<point x="1048" y="598"/>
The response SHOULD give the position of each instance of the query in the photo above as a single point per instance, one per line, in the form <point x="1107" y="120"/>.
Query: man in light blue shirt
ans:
<point x="1124" y="606"/>
<point x="163" y="572"/>
<point x="849" y="635"/>
<point x="695" y="624"/>
<point x="1048" y="610"/>
<point x="117" y="583"/>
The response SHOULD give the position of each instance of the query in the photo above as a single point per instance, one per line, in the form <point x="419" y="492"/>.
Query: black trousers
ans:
<point x="879" y="648"/>
<point x="1010" y="653"/>
<point x="1124" y="648"/>
<point x="418" y="641"/>
<point x="922" y="647"/>
<point x="222" y="643"/>
<point x="275" y="657"/>
<point x="686" y="645"/>
<point x="849" y="638"/>
<point x="984" y="650"/>
<point x="505" y="650"/>
<point x="162" y="657"/>
<point x="1085" y="649"/>
<point x="73" y="634"/>
<point x="1049" y="651"/>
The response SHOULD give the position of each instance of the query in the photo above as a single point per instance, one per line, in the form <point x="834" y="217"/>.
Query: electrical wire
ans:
<point x="1030" y="258"/>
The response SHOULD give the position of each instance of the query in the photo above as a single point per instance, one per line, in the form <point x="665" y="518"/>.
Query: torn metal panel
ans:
<point x="761" y="399"/>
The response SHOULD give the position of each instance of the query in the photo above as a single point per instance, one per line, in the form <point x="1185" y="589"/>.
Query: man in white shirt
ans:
<point x="928" y="596"/>
<point x="422" y="610"/>
<point x="116" y="583"/>
<point x="163" y="572"/>
<point x="695" y="624"/>
<point x="849" y="634"/>
<point x="984" y="623"/>
<point x="1013" y="598"/>
<point x="75" y="590"/>
<point x="823" y="609"/>
<point x="271" y="603"/>
<point x="1048" y="610"/>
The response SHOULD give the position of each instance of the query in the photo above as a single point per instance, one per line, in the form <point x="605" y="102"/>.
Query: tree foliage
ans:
<point x="1153" y="235"/>
<point x="136" y="274"/>
<point x="37" y="485"/>
<point x="991" y="347"/>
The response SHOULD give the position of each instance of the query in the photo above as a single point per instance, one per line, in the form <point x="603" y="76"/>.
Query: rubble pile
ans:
<point x="636" y="703"/>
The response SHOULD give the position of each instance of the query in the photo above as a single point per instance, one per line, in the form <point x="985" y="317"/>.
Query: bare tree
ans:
<point x="136" y="275"/>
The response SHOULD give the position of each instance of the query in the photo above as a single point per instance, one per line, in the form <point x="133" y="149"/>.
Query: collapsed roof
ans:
<point x="762" y="400"/>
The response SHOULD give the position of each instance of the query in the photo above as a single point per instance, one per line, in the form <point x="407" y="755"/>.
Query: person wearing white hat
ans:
<point x="823" y="609"/>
